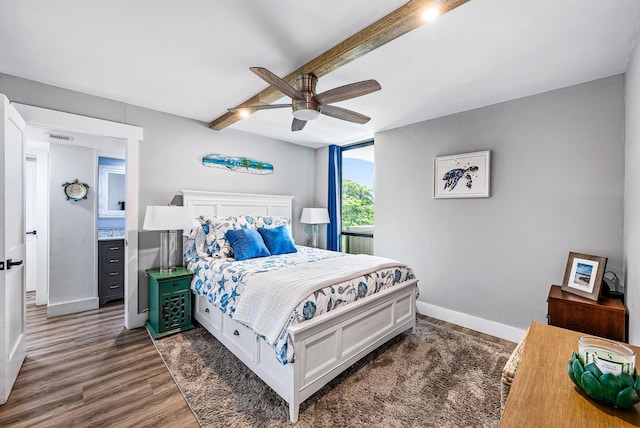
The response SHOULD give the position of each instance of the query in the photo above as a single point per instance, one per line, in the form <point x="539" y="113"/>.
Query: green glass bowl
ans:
<point x="621" y="391"/>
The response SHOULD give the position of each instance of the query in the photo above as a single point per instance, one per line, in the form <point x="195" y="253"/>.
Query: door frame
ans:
<point x="42" y="222"/>
<point x="31" y="196"/>
<point x="133" y="135"/>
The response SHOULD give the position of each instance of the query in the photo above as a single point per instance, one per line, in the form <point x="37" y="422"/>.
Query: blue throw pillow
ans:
<point x="277" y="239"/>
<point x="246" y="244"/>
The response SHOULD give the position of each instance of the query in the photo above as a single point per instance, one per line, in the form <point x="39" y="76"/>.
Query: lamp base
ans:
<point x="314" y="235"/>
<point x="168" y="247"/>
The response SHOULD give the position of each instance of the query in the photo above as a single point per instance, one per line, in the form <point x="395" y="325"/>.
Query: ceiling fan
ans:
<point x="306" y="104"/>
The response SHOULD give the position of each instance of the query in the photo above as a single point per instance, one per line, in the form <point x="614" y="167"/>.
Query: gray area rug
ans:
<point x="437" y="377"/>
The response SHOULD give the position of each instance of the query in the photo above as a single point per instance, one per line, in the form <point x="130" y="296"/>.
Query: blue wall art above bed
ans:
<point x="238" y="164"/>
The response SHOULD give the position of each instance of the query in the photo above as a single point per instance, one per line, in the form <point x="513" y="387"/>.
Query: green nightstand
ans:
<point x="169" y="301"/>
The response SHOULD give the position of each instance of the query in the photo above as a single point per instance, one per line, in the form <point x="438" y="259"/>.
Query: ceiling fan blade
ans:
<point x="298" y="124"/>
<point x="346" y="92"/>
<point x="344" y="114"/>
<point x="277" y="83"/>
<point x="251" y="109"/>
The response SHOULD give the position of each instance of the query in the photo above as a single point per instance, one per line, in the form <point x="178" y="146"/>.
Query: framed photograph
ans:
<point x="583" y="275"/>
<point x="462" y="176"/>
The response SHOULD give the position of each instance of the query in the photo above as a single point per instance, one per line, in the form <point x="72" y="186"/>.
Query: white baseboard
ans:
<point x="58" y="309"/>
<point x="142" y="319"/>
<point x="482" y="325"/>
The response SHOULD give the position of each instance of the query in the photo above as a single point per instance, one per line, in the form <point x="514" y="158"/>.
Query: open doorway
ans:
<point x="45" y="119"/>
<point x="67" y="274"/>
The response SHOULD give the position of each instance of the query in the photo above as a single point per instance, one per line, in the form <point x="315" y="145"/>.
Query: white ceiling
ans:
<point x="192" y="57"/>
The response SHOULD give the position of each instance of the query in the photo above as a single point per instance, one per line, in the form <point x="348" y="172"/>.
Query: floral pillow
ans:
<point x="194" y="244"/>
<point x="270" y="221"/>
<point x="215" y="230"/>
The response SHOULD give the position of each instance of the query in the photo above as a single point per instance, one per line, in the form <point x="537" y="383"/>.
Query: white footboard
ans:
<point x="324" y="346"/>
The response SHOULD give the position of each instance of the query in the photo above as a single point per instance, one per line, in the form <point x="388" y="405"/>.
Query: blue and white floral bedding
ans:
<point x="222" y="280"/>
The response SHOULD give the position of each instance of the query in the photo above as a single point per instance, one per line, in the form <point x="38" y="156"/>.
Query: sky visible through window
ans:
<point x="358" y="170"/>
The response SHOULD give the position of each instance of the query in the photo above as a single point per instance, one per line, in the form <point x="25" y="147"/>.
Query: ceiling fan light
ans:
<point x="306" y="114"/>
<point x="431" y="14"/>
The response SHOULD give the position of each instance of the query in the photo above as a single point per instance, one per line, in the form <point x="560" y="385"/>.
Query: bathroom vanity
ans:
<point x="110" y="269"/>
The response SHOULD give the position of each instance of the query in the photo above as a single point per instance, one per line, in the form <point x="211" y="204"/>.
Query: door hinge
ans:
<point x="1" y="265"/>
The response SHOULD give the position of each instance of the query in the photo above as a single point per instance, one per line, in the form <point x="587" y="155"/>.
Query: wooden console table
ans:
<point x="542" y="395"/>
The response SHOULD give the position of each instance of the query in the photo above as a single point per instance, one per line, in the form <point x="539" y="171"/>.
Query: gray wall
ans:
<point x="632" y="194"/>
<point x="171" y="153"/>
<point x="72" y="233"/>
<point x="557" y="180"/>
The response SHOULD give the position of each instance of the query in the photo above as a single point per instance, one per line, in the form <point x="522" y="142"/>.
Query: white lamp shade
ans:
<point x="166" y="218"/>
<point x="314" y="216"/>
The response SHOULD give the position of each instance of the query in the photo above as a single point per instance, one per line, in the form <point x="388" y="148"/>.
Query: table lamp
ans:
<point x="314" y="217"/>
<point x="167" y="219"/>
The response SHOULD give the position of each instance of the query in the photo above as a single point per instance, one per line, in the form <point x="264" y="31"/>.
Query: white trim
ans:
<point x="37" y="116"/>
<point x="57" y="309"/>
<point x="482" y="325"/>
<point x="142" y="318"/>
<point x="42" y="223"/>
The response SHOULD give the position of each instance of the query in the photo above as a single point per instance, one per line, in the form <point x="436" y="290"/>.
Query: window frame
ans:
<point x="346" y="149"/>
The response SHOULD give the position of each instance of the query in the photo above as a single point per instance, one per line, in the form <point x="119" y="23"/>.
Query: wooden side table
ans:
<point x="542" y="395"/>
<point x="606" y="318"/>
<point x="169" y="302"/>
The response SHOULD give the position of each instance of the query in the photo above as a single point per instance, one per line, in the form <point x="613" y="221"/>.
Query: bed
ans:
<point x="311" y="349"/>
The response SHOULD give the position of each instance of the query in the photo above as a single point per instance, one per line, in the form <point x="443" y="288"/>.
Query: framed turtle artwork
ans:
<point x="466" y="175"/>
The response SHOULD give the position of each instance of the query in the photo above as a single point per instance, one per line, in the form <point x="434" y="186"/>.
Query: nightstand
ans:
<point x="169" y="301"/>
<point x="607" y="317"/>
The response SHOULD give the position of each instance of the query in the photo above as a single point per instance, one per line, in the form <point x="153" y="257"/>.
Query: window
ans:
<point x="357" y="198"/>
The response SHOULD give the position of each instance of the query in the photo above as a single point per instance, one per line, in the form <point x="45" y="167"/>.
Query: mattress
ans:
<point x="222" y="282"/>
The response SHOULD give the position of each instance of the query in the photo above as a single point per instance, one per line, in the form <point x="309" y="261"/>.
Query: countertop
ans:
<point x="107" y="234"/>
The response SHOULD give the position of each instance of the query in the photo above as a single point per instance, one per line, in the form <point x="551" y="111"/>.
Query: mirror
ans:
<point x="112" y="191"/>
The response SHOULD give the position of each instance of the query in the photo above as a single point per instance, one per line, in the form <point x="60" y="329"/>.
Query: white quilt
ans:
<point x="270" y="297"/>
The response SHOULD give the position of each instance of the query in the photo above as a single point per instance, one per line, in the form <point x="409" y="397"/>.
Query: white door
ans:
<point x="13" y="344"/>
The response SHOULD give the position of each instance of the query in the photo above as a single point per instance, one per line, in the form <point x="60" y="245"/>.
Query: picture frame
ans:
<point x="465" y="175"/>
<point x="583" y="275"/>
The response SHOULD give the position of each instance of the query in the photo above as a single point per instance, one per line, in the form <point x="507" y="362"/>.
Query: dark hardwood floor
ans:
<point x="88" y="370"/>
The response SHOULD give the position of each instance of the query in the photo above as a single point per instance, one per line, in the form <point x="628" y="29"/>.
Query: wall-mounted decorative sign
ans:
<point x="462" y="176"/>
<point x="238" y="164"/>
<point x="75" y="191"/>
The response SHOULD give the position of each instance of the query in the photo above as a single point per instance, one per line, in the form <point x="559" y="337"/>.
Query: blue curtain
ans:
<point x="335" y="197"/>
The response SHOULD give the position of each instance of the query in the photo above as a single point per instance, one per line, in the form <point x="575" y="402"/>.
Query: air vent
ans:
<point x="60" y="137"/>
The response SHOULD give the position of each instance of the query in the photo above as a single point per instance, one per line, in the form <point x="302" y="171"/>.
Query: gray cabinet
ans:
<point x="110" y="270"/>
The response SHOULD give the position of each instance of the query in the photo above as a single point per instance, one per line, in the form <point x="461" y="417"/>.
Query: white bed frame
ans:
<point x="324" y="346"/>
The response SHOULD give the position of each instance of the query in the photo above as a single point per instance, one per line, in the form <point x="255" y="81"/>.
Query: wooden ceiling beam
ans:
<point x="402" y="20"/>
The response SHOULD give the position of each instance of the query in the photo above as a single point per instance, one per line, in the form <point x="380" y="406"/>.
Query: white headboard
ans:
<point x="226" y="204"/>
